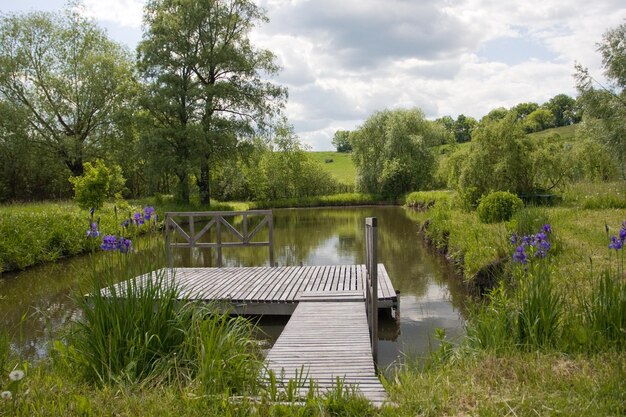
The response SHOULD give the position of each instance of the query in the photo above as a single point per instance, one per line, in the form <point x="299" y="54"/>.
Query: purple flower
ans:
<point x="616" y="243"/>
<point x="520" y="255"/>
<point x="542" y="249"/>
<point x="514" y="239"/>
<point x="109" y="242"/>
<point x="148" y="212"/>
<point x="92" y="211"/>
<point x="123" y="245"/>
<point x="138" y="218"/>
<point x="622" y="233"/>
<point x="93" y="230"/>
<point x="547" y="228"/>
<point x="126" y="223"/>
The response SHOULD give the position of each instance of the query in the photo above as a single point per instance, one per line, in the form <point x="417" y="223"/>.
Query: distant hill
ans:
<point x="343" y="169"/>
<point x="341" y="166"/>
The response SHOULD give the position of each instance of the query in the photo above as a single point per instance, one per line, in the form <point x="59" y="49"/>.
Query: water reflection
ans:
<point x="37" y="302"/>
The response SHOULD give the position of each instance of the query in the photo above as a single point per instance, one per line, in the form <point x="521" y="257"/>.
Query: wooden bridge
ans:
<point x="333" y="330"/>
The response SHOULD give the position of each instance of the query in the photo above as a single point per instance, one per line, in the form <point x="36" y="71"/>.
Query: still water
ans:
<point x="35" y="303"/>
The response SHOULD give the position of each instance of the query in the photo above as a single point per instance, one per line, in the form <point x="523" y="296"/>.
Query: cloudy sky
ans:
<point x="344" y="59"/>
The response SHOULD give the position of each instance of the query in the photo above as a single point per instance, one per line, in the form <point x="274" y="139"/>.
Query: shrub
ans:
<point x="423" y="200"/>
<point x="498" y="206"/>
<point x="97" y="184"/>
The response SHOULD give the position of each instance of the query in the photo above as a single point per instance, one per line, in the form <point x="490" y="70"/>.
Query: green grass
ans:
<point x="34" y="233"/>
<point x="337" y="200"/>
<point x="559" y="134"/>
<point x="422" y="200"/>
<point x="516" y="384"/>
<point x="341" y="167"/>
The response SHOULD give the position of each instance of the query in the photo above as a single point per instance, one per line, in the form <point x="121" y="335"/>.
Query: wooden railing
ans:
<point x="371" y="282"/>
<point x="217" y="220"/>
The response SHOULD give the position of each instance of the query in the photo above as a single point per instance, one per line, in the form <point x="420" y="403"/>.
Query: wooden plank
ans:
<point x="315" y="342"/>
<point x="272" y="285"/>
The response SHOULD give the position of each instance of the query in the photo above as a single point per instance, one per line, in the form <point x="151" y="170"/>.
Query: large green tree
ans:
<point x="604" y="114"/>
<point x="341" y="140"/>
<point x="197" y="57"/>
<point x="499" y="159"/>
<point x="68" y="76"/>
<point x="392" y="152"/>
<point x="564" y="108"/>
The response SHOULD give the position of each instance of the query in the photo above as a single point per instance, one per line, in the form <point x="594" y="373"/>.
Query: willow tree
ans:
<point x="198" y="55"/>
<point x="68" y="76"/>
<point x="392" y="152"/>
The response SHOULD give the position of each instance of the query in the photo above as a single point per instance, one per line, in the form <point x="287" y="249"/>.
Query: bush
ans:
<point x="498" y="207"/>
<point x="97" y="184"/>
<point x="423" y="200"/>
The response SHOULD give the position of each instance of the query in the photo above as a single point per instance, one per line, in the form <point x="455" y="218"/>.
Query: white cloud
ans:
<point x="343" y="60"/>
<point x="126" y="13"/>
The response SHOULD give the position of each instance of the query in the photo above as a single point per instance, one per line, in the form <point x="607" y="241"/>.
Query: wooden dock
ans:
<point x="316" y="346"/>
<point x="273" y="290"/>
<point x="333" y="331"/>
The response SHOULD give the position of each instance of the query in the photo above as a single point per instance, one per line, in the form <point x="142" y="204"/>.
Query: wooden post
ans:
<point x="218" y="227"/>
<point x="168" y="249"/>
<point x="371" y="290"/>
<point x="270" y="222"/>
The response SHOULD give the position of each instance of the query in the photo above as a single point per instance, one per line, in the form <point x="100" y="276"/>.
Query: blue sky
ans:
<point x="343" y="60"/>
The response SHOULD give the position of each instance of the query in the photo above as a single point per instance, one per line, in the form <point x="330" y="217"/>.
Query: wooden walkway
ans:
<point x="274" y="290"/>
<point x="333" y="331"/>
<point x="327" y="340"/>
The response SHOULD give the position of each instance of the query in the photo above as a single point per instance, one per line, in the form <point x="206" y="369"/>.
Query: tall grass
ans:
<point x="604" y="310"/>
<point x="490" y="324"/>
<point x="4" y="353"/>
<point x="540" y="308"/>
<point x="426" y="199"/>
<point x="144" y="331"/>
<point x="347" y="199"/>
<point x="224" y="355"/>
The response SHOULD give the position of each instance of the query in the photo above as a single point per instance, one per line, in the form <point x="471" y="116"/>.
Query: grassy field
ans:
<point x="341" y="166"/>
<point x="563" y="133"/>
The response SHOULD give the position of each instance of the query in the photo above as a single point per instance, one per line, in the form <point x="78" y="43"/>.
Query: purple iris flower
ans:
<point x="514" y="239"/>
<point x="622" y="234"/>
<point x="148" y="212"/>
<point x="109" y="242"/>
<point x="93" y="230"/>
<point x="547" y="228"/>
<point x="92" y="211"/>
<point x="138" y="218"/>
<point x="520" y="255"/>
<point x="123" y="245"/>
<point x="125" y="223"/>
<point x="616" y="243"/>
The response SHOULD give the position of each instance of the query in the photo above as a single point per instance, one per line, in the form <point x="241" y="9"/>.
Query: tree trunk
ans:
<point x="204" y="182"/>
<point x="184" y="186"/>
<point x="76" y="166"/>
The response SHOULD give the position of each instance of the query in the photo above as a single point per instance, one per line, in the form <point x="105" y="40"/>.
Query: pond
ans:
<point x="35" y="303"/>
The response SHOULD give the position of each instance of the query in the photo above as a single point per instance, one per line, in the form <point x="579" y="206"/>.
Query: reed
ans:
<point x="604" y="310"/>
<point x="149" y="332"/>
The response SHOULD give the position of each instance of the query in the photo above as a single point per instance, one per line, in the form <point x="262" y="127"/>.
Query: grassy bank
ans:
<point x="579" y="224"/>
<point x="34" y="233"/>
<point x="548" y="338"/>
